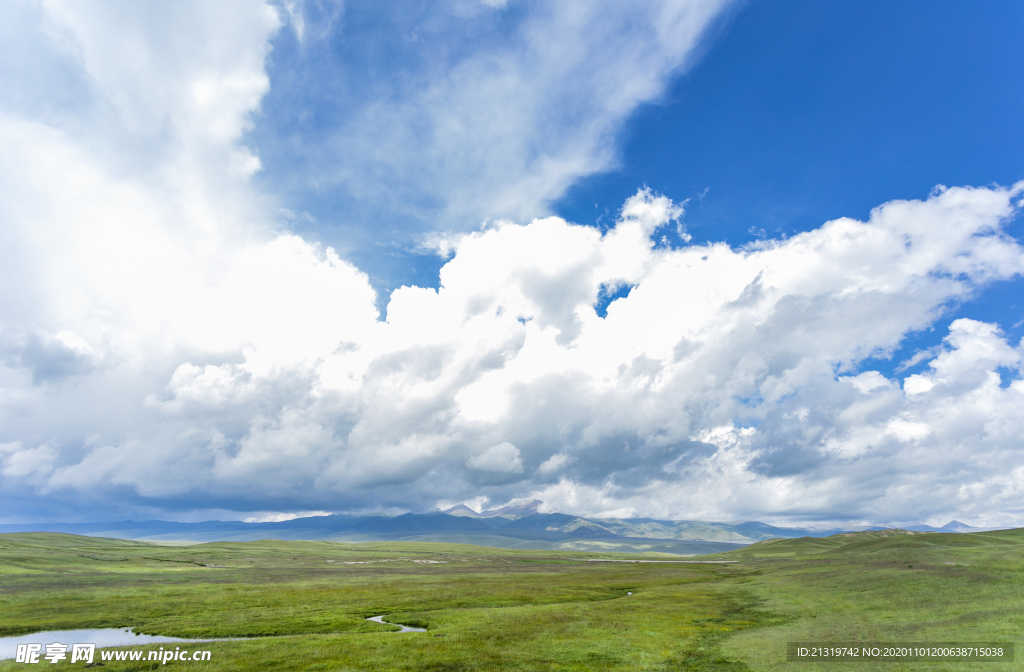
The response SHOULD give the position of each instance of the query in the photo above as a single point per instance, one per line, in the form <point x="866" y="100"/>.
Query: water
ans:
<point x="101" y="638"/>
<point x="404" y="628"/>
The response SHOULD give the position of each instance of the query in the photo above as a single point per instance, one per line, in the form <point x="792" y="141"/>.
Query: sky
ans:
<point x="690" y="259"/>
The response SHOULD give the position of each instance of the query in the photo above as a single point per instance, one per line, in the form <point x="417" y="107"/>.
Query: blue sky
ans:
<point x="689" y="259"/>
<point x="801" y="112"/>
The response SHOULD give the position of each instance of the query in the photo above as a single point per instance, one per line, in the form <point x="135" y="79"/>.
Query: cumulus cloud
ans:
<point x="165" y="347"/>
<point x="724" y="385"/>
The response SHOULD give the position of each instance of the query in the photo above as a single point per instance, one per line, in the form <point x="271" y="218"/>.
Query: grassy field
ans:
<point x="303" y="605"/>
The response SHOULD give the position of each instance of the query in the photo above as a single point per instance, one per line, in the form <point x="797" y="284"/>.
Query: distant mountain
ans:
<point x="463" y="511"/>
<point x="552" y="531"/>
<point x="512" y="511"/>
<point x="517" y="525"/>
<point x="642" y="528"/>
<point x="952" y="526"/>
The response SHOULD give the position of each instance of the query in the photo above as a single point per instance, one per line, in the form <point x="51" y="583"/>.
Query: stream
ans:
<point x="404" y="628"/>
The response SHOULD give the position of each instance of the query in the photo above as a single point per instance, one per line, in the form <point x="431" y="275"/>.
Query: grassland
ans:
<point x="303" y="605"/>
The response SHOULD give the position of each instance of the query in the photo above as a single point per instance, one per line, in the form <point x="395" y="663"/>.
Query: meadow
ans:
<point x="302" y="605"/>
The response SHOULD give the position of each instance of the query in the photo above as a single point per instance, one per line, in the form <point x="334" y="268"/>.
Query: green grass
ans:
<point x="886" y="586"/>
<point x="303" y="605"/>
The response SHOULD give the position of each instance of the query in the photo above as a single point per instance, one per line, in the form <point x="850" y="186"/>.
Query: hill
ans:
<point x="514" y="526"/>
<point x="518" y="525"/>
<point x="879" y="544"/>
<point x="553" y="531"/>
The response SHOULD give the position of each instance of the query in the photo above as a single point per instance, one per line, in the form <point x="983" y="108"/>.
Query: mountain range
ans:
<point x="518" y="525"/>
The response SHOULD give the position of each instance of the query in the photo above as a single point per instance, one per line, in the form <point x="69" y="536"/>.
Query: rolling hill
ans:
<point x="518" y="525"/>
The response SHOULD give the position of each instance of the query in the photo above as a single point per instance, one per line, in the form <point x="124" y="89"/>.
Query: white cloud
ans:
<point x="917" y="384"/>
<point x="867" y="381"/>
<point x="33" y="464"/>
<point x="710" y="391"/>
<point x="502" y="457"/>
<point x="553" y="464"/>
<point x="160" y="337"/>
<point x="191" y="69"/>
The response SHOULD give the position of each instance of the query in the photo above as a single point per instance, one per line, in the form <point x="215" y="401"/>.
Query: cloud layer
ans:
<point x="165" y="346"/>
<point x="724" y="385"/>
